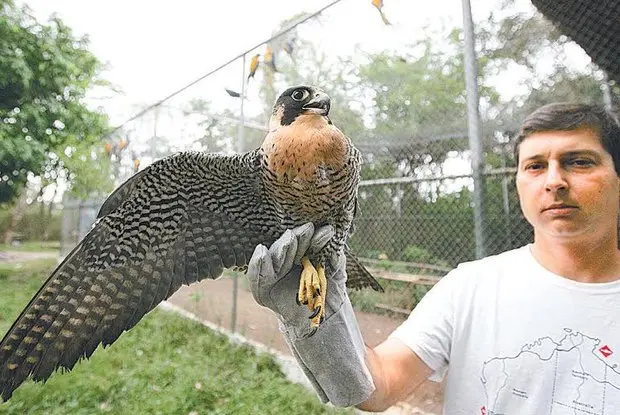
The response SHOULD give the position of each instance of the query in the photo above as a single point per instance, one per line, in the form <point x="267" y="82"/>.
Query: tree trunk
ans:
<point x="48" y="221"/>
<point x="16" y="216"/>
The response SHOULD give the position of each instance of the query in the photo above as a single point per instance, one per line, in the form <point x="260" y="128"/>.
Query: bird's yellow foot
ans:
<point x="312" y="291"/>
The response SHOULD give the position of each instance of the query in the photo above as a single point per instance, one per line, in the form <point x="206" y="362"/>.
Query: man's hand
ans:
<point x="333" y="357"/>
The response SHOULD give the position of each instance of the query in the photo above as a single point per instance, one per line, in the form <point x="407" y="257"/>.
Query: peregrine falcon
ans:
<point x="185" y="218"/>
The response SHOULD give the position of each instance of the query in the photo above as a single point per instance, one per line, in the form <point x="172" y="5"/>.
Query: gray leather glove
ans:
<point x="333" y="356"/>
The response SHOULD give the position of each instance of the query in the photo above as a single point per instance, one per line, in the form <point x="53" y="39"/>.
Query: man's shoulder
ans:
<point x="496" y="264"/>
<point x="484" y="273"/>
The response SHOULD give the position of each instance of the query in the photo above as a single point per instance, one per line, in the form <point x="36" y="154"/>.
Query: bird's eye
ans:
<point x="300" y="94"/>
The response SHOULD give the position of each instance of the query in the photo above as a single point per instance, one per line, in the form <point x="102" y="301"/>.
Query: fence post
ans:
<point x="233" y="324"/>
<point x="473" y="125"/>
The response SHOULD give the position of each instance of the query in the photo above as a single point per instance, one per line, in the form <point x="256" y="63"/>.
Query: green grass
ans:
<point x="165" y="365"/>
<point x="32" y="246"/>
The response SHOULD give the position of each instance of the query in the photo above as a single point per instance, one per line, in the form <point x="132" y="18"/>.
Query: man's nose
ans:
<point x="555" y="179"/>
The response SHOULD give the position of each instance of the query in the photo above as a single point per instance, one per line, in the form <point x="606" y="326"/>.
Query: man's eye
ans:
<point x="581" y="162"/>
<point x="534" y="166"/>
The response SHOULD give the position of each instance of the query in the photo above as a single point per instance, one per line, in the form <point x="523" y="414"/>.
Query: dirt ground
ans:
<point x="212" y="301"/>
<point x="18" y="256"/>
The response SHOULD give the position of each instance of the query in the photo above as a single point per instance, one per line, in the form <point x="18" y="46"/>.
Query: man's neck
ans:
<point x="591" y="261"/>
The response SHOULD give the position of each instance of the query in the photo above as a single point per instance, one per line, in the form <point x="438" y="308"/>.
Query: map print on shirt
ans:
<point x="576" y="374"/>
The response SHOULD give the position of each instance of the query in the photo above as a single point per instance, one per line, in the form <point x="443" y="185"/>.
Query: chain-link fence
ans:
<point x="429" y="217"/>
<point x="402" y="88"/>
<point x="77" y="219"/>
<point x="434" y="121"/>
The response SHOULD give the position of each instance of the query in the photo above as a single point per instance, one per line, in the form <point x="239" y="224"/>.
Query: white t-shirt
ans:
<point x="519" y="339"/>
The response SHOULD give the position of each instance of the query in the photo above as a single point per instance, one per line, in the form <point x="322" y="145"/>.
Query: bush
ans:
<point x="34" y="225"/>
<point x="397" y="294"/>
<point x="414" y="253"/>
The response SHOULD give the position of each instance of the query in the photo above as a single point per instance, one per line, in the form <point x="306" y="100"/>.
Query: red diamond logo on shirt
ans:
<point x="483" y="410"/>
<point x="605" y="351"/>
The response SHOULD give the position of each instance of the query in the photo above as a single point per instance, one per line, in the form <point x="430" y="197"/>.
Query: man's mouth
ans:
<point x="560" y="207"/>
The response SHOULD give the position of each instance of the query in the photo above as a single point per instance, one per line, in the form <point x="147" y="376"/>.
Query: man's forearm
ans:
<point x="378" y="400"/>
<point x="396" y="372"/>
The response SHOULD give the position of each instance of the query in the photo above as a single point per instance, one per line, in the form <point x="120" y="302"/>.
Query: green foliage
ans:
<point x="35" y="224"/>
<point x="221" y="130"/>
<point x="419" y="120"/>
<point x="407" y="112"/>
<point x="411" y="95"/>
<point x="414" y="253"/>
<point x="397" y="294"/>
<point x="517" y="38"/>
<point x="165" y="365"/>
<point x="310" y="67"/>
<point x="562" y="85"/>
<point x="45" y="127"/>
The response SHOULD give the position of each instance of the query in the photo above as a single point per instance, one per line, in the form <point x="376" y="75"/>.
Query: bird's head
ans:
<point x="302" y="139"/>
<point x="300" y="100"/>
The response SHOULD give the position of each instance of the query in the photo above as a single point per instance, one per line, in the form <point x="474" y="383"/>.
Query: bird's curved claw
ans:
<point x="315" y="312"/>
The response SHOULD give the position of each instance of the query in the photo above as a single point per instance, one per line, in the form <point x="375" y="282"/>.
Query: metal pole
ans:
<point x="153" y="146"/>
<point x="241" y="117"/>
<point x="239" y="150"/>
<point x="473" y="124"/>
<point x="506" y="198"/>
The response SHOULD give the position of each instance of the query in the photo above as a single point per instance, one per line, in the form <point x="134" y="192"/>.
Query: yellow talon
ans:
<point x="319" y="300"/>
<point x="312" y="290"/>
<point x="305" y="282"/>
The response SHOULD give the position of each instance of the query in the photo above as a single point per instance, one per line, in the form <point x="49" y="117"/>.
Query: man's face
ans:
<point x="567" y="184"/>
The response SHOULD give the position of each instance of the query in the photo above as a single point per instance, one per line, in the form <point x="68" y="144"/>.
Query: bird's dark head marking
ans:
<point x="301" y="100"/>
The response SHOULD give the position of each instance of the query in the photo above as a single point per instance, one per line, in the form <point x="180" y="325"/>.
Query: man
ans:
<point x="535" y="330"/>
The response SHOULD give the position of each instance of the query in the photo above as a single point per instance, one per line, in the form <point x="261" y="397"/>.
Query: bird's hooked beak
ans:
<point x="319" y="104"/>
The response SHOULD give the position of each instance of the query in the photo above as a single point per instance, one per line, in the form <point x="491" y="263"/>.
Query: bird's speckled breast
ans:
<point x="304" y="149"/>
<point x="327" y="196"/>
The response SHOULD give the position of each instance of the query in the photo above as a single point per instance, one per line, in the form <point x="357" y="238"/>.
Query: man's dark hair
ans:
<point x="566" y="116"/>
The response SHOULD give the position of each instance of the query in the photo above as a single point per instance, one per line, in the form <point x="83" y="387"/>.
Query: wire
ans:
<point x="161" y="101"/>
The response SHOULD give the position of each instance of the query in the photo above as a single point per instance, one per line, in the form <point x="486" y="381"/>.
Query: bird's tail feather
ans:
<point x="357" y="275"/>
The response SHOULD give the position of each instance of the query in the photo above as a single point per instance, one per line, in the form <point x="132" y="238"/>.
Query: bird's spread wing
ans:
<point x="180" y="220"/>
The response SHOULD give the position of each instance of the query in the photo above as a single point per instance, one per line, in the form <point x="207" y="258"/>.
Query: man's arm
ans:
<point x="396" y="371"/>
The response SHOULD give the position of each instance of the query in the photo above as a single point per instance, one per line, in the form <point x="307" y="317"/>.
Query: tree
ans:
<point x="419" y="118"/>
<point x="519" y="42"/>
<point x="45" y="73"/>
<point x="46" y="129"/>
<point x="407" y="112"/>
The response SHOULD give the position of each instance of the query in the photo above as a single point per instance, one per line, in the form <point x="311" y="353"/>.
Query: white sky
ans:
<point x="154" y="48"/>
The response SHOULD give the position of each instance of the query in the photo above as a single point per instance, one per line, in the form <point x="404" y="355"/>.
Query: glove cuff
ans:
<point x="334" y="359"/>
